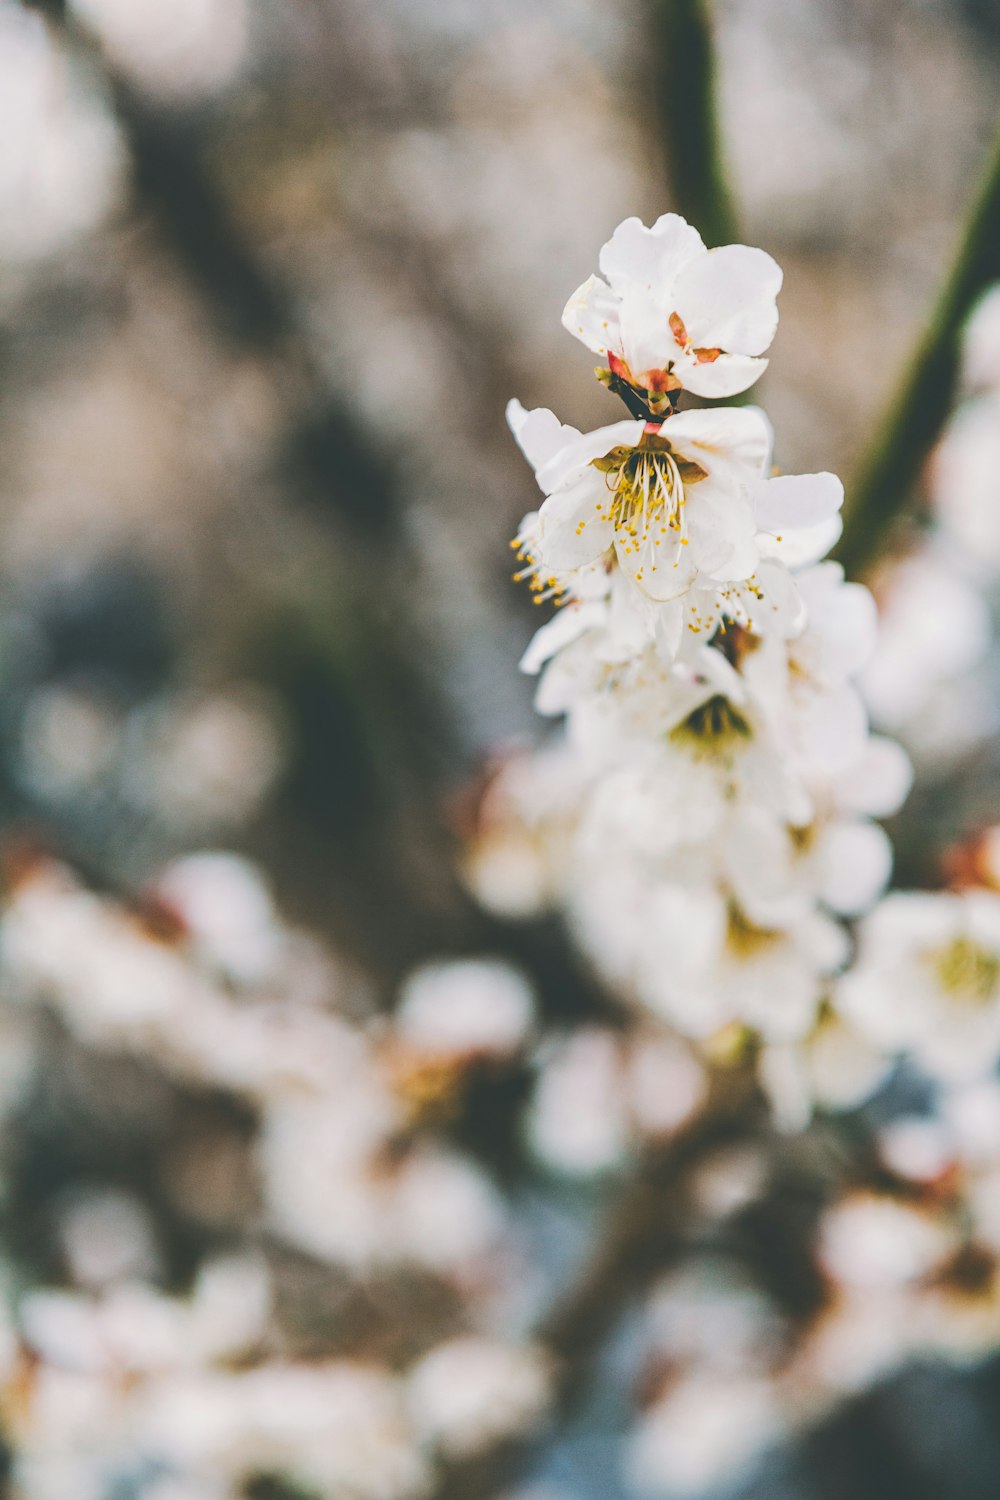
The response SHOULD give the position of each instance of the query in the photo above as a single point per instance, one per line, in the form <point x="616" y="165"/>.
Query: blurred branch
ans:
<point x="330" y="453"/>
<point x="647" y="1230"/>
<point x="911" y="425"/>
<point x="684" y="87"/>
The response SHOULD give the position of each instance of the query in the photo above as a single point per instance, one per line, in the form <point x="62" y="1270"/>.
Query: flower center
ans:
<point x="713" y="724"/>
<point x="965" y="971"/>
<point x="647" y="492"/>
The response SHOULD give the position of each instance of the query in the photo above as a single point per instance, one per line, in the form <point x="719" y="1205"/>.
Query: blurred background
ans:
<point x="269" y="273"/>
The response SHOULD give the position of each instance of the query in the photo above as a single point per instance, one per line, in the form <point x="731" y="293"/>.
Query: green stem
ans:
<point x="911" y="426"/>
<point x="684" y="88"/>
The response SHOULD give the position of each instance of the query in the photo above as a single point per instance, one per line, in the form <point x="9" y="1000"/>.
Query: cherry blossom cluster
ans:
<point x="347" y="1183"/>
<point x="717" y="783"/>
<point x="906" y="1268"/>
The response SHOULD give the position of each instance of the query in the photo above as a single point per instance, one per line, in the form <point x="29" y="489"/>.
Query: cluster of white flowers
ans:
<point x="114" y="1379"/>
<point x="908" y="1269"/>
<point x="706" y="825"/>
<point x="712" y="804"/>
<point x="136" y="1386"/>
<point x="904" y="1267"/>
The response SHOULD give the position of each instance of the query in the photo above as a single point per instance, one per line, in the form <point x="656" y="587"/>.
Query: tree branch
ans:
<point x="684" y="87"/>
<point x="913" y="422"/>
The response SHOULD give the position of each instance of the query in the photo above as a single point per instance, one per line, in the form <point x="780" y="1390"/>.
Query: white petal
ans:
<point x="648" y="343"/>
<point x="842" y="616"/>
<point x="539" y="433"/>
<point x="583" y="448"/>
<point x="834" y="728"/>
<point x="571" y="532"/>
<point x="726" y="299"/>
<point x="732" y="443"/>
<point x="660" y="573"/>
<point x="781" y="610"/>
<point x="846" y="1069"/>
<point x="592" y="315"/>
<point x="800" y="549"/>
<point x="758" y="863"/>
<point x="566" y="626"/>
<point x="716" y="379"/>
<point x="669" y="624"/>
<point x="794" y="501"/>
<point x="720" y="531"/>
<point x="631" y="623"/>
<point x="879" y="782"/>
<point x="857" y="863"/>
<point x="650" y="257"/>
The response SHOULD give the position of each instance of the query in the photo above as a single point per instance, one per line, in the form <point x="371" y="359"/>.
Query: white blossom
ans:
<point x="927" y="980"/>
<point x="672" y="315"/>
<point x="464" y="1007"/>
<point x="684" y="509"/>
<point x="468" y="1393"/>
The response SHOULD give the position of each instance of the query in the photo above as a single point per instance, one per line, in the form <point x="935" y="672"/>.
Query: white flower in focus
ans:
<point x="677" y="761"/>
<point x="672" y="315"/>
<point x="927" y="980"/>
<point x="670" y="499"/>
<point x="640" y="504"/>
<point x="471" y="1392"/>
